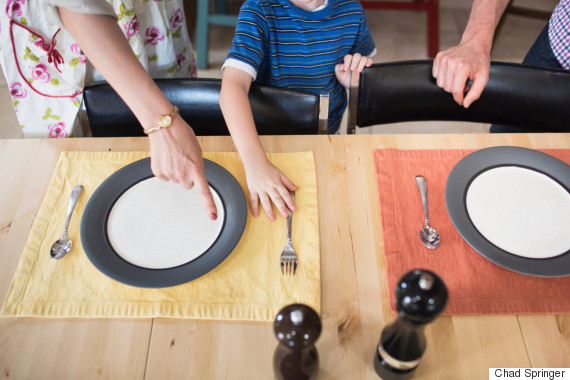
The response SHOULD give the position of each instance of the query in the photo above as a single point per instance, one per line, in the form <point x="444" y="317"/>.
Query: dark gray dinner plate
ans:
<point x="100" y="252"/>
<point x="472" y="165"/>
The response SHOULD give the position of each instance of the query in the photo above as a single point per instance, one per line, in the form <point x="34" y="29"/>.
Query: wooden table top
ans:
<point x="355" y="304"/>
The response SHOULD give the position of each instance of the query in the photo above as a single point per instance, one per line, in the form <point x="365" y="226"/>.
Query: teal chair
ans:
<point x="205" y="18"/>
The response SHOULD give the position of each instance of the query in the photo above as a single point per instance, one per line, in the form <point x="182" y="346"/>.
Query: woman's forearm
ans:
<point x="175" y="152"/>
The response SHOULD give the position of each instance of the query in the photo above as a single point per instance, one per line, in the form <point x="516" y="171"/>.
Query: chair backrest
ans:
<point x="276" y="110"/>
<point x="515" y="95"/>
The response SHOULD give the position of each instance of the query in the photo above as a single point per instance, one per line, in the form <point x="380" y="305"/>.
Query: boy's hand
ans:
<point x="351" y="63"/>
<point x="266" y="184"/>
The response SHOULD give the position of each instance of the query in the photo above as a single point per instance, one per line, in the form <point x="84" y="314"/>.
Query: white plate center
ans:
<point x="521" y="211"/>
<point x="159" y="225"/>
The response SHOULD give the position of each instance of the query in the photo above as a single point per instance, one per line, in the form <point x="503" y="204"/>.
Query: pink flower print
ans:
<point x="153" y="35"/>
<point x="17" y="91"/>
<point x="40" y="72"/>
<point x="77" y="50"/>
<point x="180" y="59"/>
<point x="132" y="27"/>
<point x="14" y="7"/>
<point x="193" y="69"/>
<point x="57" y="130"/>
<point x="176" y="19"/>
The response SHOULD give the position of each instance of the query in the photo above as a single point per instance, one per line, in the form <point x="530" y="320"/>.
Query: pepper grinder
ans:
<point x="297" y="328"/>
<point x="420" y="297"/>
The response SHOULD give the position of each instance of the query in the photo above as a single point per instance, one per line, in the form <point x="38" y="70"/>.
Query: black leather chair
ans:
<point x="276" y="110"/>
<point x="516" y="95"/>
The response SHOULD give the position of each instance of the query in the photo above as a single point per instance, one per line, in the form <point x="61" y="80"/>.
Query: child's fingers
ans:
<point x="266" y="203"/>
<point x="362" y="63"/>
<point x="339" y="68"/>
<point x="356" y="58"/>
<point x="254" y="203"/>
<point x="347" y="62"/>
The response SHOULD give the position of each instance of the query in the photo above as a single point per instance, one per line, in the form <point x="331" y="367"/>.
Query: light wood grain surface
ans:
<point x="354" y="292"/>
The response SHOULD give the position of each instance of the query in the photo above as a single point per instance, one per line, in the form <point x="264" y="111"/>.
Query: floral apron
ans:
<point x="46" y="70"/>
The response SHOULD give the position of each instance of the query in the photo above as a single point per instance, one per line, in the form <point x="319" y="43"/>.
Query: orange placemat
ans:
<point x="476" y="285"/>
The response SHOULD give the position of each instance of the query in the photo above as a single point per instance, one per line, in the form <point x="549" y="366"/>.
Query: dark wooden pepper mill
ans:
<point x="297" y="328"/>
<point x="420" y="297"/>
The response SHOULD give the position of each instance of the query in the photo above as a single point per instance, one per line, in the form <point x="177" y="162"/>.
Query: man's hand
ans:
<point x="454" y="66"/>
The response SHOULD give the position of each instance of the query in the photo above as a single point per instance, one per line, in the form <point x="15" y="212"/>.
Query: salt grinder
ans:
<point x="297" y="328"/>
<point x="420" y="297"/>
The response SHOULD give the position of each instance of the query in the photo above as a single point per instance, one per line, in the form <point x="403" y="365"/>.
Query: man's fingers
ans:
<point x="435" y="66"/>
<point x="474" y="92"/>
<point x="442" y="72"/>
<point x="458" y="86"/>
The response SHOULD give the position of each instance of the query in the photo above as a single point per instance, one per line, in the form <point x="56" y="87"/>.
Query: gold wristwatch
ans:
<point x="165" y="121"/>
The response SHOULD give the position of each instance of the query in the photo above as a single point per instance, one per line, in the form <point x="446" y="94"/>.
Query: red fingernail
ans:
<point x="213" y="216"/>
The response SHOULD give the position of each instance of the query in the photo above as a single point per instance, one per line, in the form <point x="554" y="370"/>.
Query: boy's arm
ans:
<point x="265" y="182"/>
<point x="470" y="59"/>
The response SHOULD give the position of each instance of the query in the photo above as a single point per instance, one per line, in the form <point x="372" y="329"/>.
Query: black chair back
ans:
<point x="515" y="95"/>
<point x="276" y="110"/>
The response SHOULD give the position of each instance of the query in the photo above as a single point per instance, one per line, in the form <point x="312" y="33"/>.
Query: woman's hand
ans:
<point x="176" y="156"/>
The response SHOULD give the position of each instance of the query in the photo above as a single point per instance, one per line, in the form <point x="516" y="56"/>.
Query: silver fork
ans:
<point x="288" y="256"/>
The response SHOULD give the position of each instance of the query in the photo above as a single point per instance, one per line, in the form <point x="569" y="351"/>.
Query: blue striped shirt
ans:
<point x="290" y="47"/>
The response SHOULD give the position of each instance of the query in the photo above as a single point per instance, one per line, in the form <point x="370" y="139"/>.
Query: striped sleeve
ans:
<point x="363" y="44"/>
<point x="250" y="41"/>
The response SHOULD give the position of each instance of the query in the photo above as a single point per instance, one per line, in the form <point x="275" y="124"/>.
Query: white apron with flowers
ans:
<point x="46" y="70"/>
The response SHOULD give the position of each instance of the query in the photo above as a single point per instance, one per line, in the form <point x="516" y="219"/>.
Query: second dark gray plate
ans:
<point x="472" y="165"/>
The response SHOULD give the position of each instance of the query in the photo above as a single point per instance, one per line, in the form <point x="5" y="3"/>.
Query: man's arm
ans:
<point x="470" y="59"/>
<point x="175" y="152"/>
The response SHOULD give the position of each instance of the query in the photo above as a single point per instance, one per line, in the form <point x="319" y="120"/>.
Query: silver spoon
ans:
<point x="428" y="235"/>
<point x="63" y="245"/>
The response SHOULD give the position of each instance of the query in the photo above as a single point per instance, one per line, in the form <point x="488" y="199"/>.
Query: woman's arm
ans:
<point x="265" y="182"/>
<point x="175" y="152"/>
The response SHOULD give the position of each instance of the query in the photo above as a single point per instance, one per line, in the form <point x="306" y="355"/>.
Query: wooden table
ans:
<point x="355" y="304"/>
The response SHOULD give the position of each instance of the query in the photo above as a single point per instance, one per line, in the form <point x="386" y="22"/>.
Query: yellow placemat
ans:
<point x="248" y="285"/>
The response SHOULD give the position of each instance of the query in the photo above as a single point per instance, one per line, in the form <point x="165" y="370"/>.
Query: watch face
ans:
<point x="165" y="121"/>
